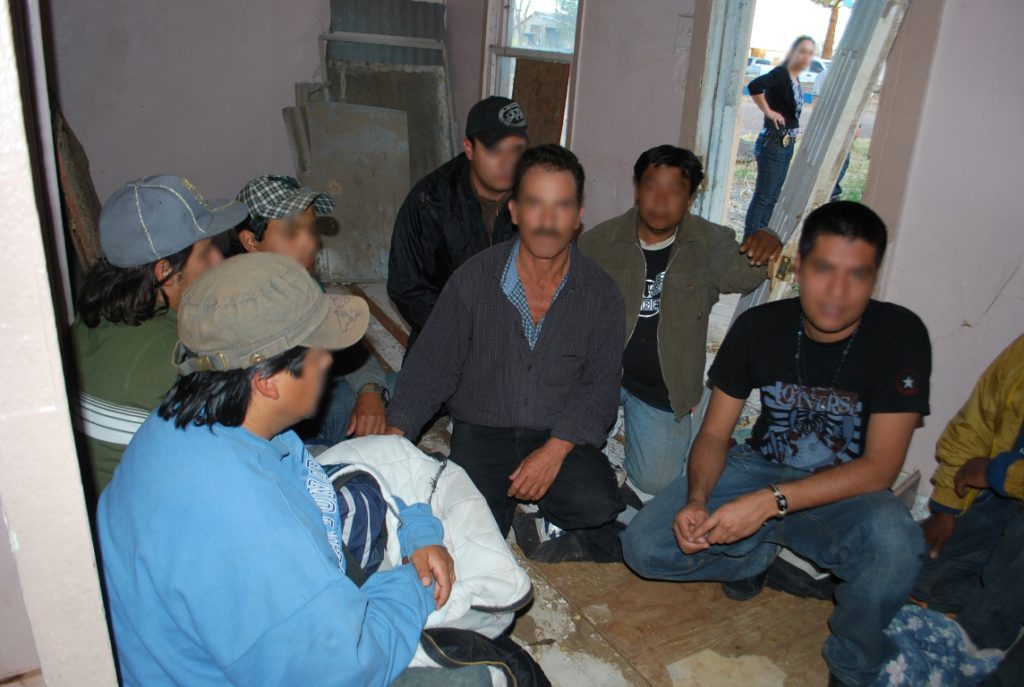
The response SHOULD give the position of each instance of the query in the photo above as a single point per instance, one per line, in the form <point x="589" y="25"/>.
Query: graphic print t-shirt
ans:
<point x="641" y="366"/>
<point x="813" y="425"/>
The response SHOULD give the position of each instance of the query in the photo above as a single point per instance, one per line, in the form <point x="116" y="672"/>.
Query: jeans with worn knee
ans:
<point x="869" y="542"/>
<point x="979" y="572"/>
<point x="657" y="444"/>
<point x="772" y="165"/>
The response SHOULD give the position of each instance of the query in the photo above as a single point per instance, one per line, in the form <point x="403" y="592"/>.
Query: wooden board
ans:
<point x="78" y="193"/>
<point x="540" y="88"/>
<point x="360" y="155"/>
<point x="656" y="625"/>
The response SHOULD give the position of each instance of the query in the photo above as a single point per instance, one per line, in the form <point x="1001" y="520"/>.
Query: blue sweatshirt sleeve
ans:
<point x="349" y="636"/>
<point x="419" y="527"/>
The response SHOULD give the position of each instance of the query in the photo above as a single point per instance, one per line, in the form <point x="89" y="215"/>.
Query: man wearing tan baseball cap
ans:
<point x="225" y="552"/>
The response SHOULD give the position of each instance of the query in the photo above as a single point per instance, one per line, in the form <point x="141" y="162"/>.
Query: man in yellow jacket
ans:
<point x="975" y="532"/>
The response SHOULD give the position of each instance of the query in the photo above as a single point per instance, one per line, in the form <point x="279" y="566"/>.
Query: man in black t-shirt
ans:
<point x="844" y="383"/>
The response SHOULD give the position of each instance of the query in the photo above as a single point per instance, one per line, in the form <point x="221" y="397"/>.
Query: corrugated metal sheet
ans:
<point x="388" y="17"/>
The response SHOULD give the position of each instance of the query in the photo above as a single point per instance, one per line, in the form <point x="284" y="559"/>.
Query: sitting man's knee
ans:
<point x="651" y="481"/>
<point x="636" y="550"/>
<point x="894" y="539"/>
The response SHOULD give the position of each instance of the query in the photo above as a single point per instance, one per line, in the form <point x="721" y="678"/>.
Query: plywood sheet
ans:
<point x="419" y="90"/>
<point x="540" y="87"/>
<point x="360" y="155"/>
<point x="81" y="203"/>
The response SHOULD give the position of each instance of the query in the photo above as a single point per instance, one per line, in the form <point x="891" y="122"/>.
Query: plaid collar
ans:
<point x="512" y="286"/>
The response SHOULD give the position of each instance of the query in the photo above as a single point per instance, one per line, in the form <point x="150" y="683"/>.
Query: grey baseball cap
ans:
<point x="258" y="305"/>
<point x="154" y="217"/>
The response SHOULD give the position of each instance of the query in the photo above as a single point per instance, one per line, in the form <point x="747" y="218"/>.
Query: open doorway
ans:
<point x="834" y="97"/>
<point x="776" y="24"/>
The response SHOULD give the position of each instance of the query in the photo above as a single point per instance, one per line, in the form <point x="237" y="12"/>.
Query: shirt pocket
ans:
<point x="691" y="295"/>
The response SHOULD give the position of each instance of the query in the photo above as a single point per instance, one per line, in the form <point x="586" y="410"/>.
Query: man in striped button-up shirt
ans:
<point x="524" y="348"/>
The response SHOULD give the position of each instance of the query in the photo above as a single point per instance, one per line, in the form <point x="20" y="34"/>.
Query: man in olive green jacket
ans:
<point x="671" y="267"/>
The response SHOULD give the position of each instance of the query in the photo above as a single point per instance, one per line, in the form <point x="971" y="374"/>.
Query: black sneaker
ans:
<point x="788" y="578"/>
<point x="745" y="590"/>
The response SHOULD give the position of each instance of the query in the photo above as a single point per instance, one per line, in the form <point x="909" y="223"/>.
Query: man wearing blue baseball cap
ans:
<point x="156" y="234"/>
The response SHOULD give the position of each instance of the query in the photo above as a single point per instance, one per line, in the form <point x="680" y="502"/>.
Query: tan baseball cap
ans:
<point x="258" y="305"/>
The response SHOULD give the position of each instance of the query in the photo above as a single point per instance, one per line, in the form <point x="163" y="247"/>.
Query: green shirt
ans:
<point x="123" y="373"/>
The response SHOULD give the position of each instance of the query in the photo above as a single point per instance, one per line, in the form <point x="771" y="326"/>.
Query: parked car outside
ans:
<point x="757" y="66"/>
<point x="816" y="67"/>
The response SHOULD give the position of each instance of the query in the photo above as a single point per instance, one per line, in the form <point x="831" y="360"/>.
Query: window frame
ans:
<point x="496" y="47"/>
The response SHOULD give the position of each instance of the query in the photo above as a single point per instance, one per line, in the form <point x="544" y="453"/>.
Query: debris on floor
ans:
<point x="709" y="669"/>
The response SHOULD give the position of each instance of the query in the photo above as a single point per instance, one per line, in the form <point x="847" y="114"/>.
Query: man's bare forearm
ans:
<point x="888" y="438"/>
<point x="707" y="460"/>
<point x="844" y="481"/>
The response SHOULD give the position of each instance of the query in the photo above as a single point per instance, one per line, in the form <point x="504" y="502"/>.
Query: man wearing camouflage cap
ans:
<point x="224" y="554"/>
<point x="157" y="237"/>
<point x="282" y="220"/>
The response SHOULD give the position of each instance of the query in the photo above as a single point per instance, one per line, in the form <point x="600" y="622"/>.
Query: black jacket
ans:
<point x="438" y="227"/>
<point x="777" y="86"/>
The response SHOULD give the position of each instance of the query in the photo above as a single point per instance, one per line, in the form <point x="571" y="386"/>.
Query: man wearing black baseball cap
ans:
<point x="457" y="210"/>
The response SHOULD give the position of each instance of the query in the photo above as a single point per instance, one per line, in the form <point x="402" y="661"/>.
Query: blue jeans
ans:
<point x="657" y="445"/>
<point x="838" y="190"/>
<point x="869" y="542"/>
<point x="772" y="165"/>
<point x="979" y="572"/>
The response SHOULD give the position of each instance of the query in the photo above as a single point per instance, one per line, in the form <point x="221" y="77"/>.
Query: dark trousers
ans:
<point x="979" y="572"/>
<point x="772" y="166"/>
<point x="585" y="493"/>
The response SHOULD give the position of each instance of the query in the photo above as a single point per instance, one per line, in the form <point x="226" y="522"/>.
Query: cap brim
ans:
<point x="227" y="214"/>
<point x="302" y="200"/>
<point x="493" y="137"/>
<point x="344" y="326"/>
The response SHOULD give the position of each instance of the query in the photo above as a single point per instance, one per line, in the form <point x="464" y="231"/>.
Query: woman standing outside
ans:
<point x="778" y="95"/>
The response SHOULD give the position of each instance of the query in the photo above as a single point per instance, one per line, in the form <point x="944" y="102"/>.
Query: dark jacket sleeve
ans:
<point x="587" y="420"/>
<point x="765" y="81"/>
<point x="412" y="260"/>
<point x="432" y="369"/>
<point x="731" y="271"/>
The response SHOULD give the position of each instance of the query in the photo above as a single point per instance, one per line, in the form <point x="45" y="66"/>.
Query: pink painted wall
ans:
<point x="631" y="74"/>
<point x="958" y="248"/>
<point x="465" y="23"/>
<point x="189" y="87"/>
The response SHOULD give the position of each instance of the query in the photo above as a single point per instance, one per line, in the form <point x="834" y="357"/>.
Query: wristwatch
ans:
<point x="780" y="500"/>
<point x="371" y="388"/>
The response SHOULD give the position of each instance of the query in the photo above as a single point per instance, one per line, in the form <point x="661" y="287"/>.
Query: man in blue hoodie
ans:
<point x="222" y="540"/>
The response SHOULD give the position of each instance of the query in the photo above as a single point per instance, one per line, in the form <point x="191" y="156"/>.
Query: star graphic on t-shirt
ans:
<point x="908" y="382"/>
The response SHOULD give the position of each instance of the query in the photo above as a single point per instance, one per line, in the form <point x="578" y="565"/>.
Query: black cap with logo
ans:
<point x="494" y="118"/>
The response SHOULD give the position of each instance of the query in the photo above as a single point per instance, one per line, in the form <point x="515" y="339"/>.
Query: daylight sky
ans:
<point x="778" y="22"/>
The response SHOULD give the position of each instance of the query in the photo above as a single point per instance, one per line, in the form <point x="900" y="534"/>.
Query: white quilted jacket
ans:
<point x="489" y="584"/>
